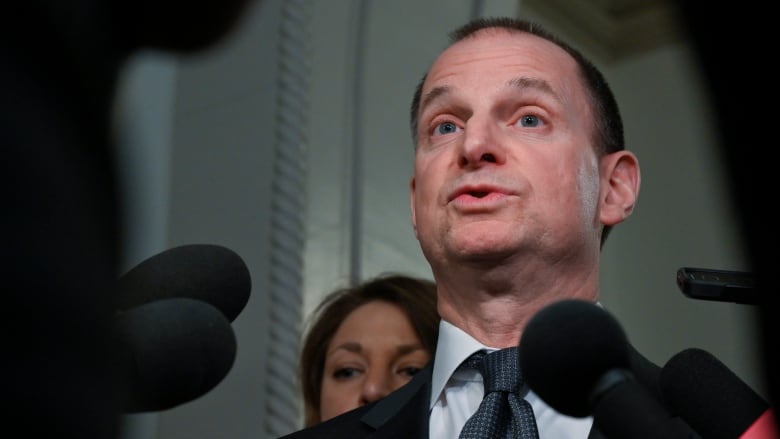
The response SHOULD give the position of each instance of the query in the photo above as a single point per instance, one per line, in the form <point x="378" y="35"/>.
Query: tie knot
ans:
<point x="502" y="412"/>
<point x="499" y="369"/>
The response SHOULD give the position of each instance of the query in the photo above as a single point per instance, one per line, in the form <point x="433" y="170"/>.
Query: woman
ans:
<point x="364" y="342"/>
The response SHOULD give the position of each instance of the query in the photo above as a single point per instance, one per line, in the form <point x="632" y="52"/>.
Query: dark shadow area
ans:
<point x="735" y="47"/>
<point x="59" y="65"/>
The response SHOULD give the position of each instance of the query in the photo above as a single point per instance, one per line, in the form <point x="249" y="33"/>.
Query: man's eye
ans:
<point x="446" y="128"/>
<point x="529" y="120"/>
<point x="344" y="373"/>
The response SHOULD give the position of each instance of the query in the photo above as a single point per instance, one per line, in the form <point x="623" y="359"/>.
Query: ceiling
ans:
<point x="612" y="29"/>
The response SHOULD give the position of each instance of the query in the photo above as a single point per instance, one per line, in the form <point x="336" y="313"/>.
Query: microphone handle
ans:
<point x="625" y="409"/>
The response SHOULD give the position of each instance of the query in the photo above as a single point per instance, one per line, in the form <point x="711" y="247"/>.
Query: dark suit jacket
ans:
<point x="404" y="412"/>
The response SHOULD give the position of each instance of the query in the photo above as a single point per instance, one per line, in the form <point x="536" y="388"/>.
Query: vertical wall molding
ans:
<point x="287" y="232"/>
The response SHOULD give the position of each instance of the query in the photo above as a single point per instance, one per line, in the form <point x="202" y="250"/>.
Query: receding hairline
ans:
<point x="584" y="68"/>
<point x="425" y="98"/>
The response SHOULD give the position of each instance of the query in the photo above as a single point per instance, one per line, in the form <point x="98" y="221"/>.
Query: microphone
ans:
<point x="577" y="358"/>
<point x="148" y="24"/>
<point x="207" y="272"/>
<point x="171" y="351"/>
<point x="712" y="398"/>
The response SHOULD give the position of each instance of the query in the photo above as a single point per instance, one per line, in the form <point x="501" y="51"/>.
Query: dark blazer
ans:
<point x="404" y="412"/>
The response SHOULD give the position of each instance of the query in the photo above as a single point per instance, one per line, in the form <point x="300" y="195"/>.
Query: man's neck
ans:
<point x="494" y="307"/>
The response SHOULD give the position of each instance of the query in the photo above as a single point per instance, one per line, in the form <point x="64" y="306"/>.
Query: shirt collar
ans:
<point x="454" y="346"/>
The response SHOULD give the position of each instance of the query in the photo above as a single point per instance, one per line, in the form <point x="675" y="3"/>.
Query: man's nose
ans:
<point x="480" y="144"/>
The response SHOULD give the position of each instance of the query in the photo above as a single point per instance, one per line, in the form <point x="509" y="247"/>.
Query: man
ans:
<point x="520" y="172"/>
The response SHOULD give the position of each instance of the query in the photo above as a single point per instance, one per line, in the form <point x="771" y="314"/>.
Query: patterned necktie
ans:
<point x="502" y="413"/>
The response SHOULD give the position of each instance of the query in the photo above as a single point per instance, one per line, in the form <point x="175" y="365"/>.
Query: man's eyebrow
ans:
<point x="524" y="82"/>
<point x="521" y="82"/>
<point x="434" y="94"/>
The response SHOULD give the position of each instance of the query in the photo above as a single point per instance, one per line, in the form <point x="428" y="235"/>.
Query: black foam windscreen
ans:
<point x="176" y="25"/>
<point x="709" y="396"/>
<point x="171" y="351"/>
<point x="207" y="272"/>
<point x="566" y="348"/>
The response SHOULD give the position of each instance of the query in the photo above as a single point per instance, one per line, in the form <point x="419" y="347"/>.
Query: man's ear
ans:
<point x="411" y="201"/>
<point x="620" y="186"/>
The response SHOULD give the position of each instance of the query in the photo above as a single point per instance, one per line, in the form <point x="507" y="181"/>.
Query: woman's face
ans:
<point x="372" y="353"/>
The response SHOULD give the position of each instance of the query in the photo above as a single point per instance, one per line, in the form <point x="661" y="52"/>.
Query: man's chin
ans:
<point x="485" y="250"/>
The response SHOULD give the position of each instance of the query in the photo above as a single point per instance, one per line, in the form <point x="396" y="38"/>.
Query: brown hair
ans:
<point x="416" y="296"/>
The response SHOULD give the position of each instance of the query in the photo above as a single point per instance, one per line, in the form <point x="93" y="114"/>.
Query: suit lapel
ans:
<point x="403" y="413"/>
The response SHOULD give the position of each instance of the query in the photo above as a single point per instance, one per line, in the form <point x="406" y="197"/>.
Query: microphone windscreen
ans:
<point x="709" y="396"/>
<point x="566" y="348"/>
<point x="183" y="26"/>
<point x="207" y="272"/>
<point x="171" y="351"/>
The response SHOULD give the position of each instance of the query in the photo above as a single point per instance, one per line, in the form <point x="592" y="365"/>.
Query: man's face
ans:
<point x="505" y="163"/>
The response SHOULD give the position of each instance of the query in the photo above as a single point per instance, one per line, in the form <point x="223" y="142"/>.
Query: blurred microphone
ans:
<point x="150" y="24"/>
<point x="207" y="272"/>
<point x="171" y="351"/>
<point x="576" y="357"/>
<point x="713" y="399"/>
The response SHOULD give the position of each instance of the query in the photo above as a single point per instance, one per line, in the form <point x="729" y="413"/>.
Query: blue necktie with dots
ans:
<point x="502" y="413"/>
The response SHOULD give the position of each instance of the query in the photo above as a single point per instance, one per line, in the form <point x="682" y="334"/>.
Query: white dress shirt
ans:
<point x="456" y="395"/>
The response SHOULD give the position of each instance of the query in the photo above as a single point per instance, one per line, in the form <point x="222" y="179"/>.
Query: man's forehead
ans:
<point x="501" y="54"/>
<point x="501" y="36"/>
